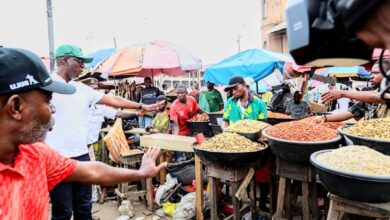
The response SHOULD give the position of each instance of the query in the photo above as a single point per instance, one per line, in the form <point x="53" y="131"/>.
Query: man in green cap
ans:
<point x="69" y="134"/>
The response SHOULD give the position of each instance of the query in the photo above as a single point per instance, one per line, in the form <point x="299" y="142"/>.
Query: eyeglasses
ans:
<point x="80" y="61"/>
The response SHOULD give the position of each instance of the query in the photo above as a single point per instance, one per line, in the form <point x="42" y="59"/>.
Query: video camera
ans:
<point x="323" y="32"/>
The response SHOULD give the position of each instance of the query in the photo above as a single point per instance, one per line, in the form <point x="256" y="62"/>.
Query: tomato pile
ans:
<point x="200" y="118"/>
<point x="301" y="131"/>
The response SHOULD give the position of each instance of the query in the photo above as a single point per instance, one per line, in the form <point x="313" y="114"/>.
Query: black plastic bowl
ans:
<point x="199" y="126"/>
<point x="358" y="187"/>
<point x="214" y="116"/>
<point x="380" y="145"/>
<point x="251" y="136"/>
<point x="274" y="121"/>
<point x="216" y="129"/>
<point x="298" y="151"/>
<point x="231" y="159"/>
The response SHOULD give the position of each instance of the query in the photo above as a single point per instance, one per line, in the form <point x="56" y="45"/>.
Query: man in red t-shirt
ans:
<point x="29" y="169"/>
<point x="182" y="109"/>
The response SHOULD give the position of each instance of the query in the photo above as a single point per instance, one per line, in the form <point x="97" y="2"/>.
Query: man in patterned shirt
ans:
<point x="29" y="169"/>
<point x="243" y="105"/>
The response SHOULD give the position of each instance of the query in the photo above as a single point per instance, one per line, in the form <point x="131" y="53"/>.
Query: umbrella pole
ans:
<point x="115" y="87"/>
<point x="257" y="87"/>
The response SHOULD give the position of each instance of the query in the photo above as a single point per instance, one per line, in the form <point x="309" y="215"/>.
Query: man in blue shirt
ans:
<point x="148" y="96"/>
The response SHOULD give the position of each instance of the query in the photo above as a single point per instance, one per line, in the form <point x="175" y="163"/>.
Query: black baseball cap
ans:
<point x="233" y="82"/>
<point x="22" y="71"/>
<point x="162" y="98"/>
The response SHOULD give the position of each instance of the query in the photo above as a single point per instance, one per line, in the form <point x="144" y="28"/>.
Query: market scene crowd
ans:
<point x="232" y="143"/>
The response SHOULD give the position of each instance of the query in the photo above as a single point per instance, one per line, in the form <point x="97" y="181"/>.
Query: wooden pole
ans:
<point x="50" y="32"/>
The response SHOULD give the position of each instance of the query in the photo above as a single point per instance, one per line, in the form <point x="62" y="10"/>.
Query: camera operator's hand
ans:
<point x="331" y="96"/>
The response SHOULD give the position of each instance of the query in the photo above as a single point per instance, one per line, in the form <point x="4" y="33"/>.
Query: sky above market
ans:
<point x="209" y="29"/>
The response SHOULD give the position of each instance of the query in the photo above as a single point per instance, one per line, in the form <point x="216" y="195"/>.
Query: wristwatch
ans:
<point x="140" y="106"/>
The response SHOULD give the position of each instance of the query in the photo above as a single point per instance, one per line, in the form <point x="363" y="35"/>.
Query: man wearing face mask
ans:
<point x="69" y="133"/>
<point x="243" y="105"/>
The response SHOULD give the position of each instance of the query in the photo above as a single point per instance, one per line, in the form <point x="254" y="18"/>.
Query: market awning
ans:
<point x="253" y="63"/>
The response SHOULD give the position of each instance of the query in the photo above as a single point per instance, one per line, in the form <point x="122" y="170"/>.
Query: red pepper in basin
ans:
<point x="301" y="131"/>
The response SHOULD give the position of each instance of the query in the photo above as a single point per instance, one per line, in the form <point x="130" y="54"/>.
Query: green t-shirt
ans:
<point x="214" y="99"/>
<point x="254" y="110"/>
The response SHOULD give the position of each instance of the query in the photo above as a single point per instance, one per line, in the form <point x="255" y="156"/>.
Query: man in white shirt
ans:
<point x="69" y="133"/>
<point x="97" y="115"/>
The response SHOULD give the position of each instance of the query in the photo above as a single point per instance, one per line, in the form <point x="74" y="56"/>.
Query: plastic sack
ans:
<point x="162" y="189"/>
<point x="169" y="208"/>
<point x="186" y="208"/>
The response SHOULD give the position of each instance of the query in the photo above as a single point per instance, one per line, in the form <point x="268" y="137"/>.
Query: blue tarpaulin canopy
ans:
<point x="253" y="63"/>
<point x="99" y="55"/>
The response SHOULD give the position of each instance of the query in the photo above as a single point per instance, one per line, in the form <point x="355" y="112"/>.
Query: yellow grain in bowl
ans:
<point x="357" y="159"/>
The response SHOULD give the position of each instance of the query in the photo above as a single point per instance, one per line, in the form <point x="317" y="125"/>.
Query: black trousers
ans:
<point x="69" y="198"/>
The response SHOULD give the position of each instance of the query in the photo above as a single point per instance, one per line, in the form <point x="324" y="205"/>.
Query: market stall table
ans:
<point x="238" y="179"/>
<point x="176" y="143"/>
<point x="305" y="174"/>
<point x="340" y="206"/>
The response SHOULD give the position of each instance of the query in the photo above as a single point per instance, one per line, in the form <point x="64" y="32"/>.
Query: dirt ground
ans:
<point x="109" y="210"/>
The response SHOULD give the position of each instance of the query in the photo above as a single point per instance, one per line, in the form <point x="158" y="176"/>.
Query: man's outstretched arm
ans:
<point x="102" y="174"/>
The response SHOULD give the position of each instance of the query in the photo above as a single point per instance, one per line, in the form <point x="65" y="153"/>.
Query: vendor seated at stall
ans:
<point x="160" y="123"/>
<point x="360" y="109"/>
<point x="298" y="108"/>
<point x="243" y="105"/>
<point x="183" y="109"/>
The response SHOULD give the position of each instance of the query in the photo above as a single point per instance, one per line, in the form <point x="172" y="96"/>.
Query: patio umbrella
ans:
<point x="98" y="56"/>
<point x="122" y="62"/>
<point x="253" y="63"/>
<point x="150" y="59"/>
